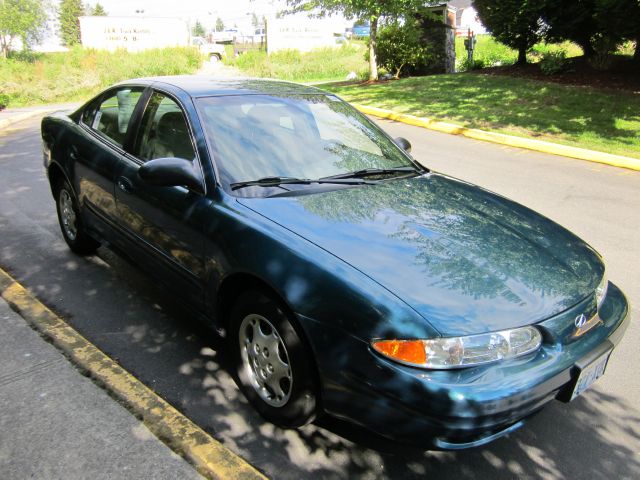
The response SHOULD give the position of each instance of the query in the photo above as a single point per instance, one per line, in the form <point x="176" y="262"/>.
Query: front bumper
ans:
<point x="453" y="409"/>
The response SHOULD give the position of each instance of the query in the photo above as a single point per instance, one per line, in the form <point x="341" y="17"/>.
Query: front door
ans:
<point x="98" y="150"/>
<point x="164" y="223"/>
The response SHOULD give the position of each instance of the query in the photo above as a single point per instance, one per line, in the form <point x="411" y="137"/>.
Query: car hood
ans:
<point x="467" y="260"/>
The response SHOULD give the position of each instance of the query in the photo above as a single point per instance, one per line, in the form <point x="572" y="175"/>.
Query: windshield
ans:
<point x="299" y="136"/>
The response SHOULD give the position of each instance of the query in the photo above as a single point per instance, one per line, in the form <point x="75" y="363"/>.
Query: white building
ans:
<point x="300" y="32"/>
<point x="132" y="33"/>
<point x="466" y="18"/>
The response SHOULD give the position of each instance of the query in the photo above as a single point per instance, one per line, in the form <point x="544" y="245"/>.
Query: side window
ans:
<point x="89" y="113"/>
<point x="114" y="113"/>
<point x="164" y="131"/>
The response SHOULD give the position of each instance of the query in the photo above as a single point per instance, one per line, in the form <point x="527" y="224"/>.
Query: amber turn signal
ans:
<point x="410" y="351"/>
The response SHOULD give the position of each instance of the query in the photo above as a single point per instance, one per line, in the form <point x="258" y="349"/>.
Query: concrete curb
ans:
<point x="502" y="139"/>
<point x="210" y="457"/>
<point x="19" y="117"/>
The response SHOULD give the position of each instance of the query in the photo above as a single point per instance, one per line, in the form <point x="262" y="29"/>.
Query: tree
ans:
<point x="575" y="21"/>
<point x="198" y="30"/>
<point x="516" y="23"/>
<point x="621" y="18"/>
<point x="371" y="10"/>
<point x="68" y="14"/>
<point x="400" y="46"/>
<point x="24" y="19"/>
<point x="219" y="25"/>
<point x="98" y="11"/>
<point x="254" y="20"/>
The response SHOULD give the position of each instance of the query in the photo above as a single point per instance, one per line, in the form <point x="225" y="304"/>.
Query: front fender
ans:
<point x="313" y="282"/>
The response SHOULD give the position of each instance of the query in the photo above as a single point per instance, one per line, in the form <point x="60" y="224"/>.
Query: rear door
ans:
<point x="164" y="223"/>
<point x="104" y="127"/>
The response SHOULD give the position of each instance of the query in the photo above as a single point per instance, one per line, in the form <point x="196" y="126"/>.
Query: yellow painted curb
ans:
<point x="209" y="456"/>
<point x="502" y="139"/>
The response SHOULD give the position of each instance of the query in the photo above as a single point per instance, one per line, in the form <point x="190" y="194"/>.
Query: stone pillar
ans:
<point x="438" y="31"/>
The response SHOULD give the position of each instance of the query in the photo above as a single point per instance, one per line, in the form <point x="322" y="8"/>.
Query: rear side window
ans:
<point x="113" y="114"/>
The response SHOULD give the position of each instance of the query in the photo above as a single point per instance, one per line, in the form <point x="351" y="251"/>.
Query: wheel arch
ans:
<point x="56" y="175"/>
<point x="233" y="285"/>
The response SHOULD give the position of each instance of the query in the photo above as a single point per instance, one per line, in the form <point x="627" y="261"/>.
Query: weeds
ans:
<point x="321" y="64"/>
<point x="27" y="79"/>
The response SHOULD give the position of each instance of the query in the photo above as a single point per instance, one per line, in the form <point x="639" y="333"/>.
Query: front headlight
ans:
<point x="459" y="352"/>
<point x="601" y="289"/>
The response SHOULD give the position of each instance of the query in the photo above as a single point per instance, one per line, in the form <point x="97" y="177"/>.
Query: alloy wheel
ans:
<point x="265" y="360"/>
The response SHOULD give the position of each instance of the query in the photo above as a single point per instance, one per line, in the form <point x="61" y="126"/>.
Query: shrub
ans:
<point x="467" y="65"/>
<point x="553" y="62"/>
<point x="603" y="47"/>
<point x="488" y="50"/>
<point x="401" y="46"/>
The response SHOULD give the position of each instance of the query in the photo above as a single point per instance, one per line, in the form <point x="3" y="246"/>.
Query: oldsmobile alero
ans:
<point x="346" y="277"/>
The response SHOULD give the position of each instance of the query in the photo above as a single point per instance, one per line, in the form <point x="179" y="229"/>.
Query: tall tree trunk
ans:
<point x="373" y="48"/>
<point x="587" y="48"/>
<point x="522" y="56"/>
<point x="636" y="53"/>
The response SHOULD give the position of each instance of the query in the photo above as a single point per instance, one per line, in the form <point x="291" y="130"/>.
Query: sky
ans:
<point x="191" y="9"/>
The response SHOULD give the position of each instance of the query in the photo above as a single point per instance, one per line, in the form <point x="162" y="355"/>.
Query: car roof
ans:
<point x="206" y="86"/>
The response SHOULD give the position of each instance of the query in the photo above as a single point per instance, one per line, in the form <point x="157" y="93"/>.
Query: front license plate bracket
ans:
<point x="586" y="371"/>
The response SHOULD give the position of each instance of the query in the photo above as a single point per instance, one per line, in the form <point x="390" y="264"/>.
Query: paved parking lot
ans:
<point x="121" y="311"/>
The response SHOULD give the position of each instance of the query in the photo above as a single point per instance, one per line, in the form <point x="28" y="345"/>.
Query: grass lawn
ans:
<point x="603" y="120"/>
<point x="491" y="52"/>
<point x="318" y="65"/>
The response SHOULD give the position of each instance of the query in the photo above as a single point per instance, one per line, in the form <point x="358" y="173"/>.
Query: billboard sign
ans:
<point x="132" y="33"/>
<point x="299" y="32"/>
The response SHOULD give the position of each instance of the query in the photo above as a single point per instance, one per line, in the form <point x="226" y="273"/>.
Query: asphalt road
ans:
<point x="119" y="309"/>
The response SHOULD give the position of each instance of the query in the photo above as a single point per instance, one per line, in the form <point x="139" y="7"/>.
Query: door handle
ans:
<point x="125" y="185"/>
<point x="73" y="153"/>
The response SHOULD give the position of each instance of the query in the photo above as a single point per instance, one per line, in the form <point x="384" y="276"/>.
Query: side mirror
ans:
<point x="403" y="143"/>
<point x="171" y="172"/>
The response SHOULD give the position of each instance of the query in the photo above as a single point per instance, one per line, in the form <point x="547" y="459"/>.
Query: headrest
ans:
<point x="172" y="125"/>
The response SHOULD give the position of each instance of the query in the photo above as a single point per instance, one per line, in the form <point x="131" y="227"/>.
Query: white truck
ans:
<point x="214" y="51"/>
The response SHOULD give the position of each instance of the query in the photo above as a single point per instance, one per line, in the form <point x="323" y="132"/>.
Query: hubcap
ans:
<point x="265" y="360"/>
<point x="68" y="215"/>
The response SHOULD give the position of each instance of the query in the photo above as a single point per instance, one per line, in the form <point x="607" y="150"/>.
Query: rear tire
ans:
<point x="70" y="221"/>
<point x="271" y="364"/>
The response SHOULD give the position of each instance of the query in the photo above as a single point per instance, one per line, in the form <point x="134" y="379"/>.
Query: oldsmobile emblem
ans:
<point x="584" y="324"/>
<point x="581" y="320"/>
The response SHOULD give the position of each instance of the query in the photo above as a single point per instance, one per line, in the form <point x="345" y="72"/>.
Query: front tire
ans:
<point x="71" y="223"/>
<point x="271" y="363"/>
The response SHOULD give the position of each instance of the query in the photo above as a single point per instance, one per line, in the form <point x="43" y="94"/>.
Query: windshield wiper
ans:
<point x="373" y="171"/>
<point x="277" y="181"/>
